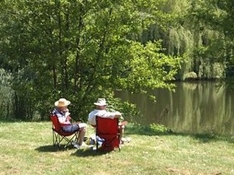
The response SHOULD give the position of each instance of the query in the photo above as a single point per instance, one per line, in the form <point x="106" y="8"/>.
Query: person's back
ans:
<point x="101" y="111"/>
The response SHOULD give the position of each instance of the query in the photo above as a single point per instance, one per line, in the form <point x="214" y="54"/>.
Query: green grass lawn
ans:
<point x="26" y="149"/>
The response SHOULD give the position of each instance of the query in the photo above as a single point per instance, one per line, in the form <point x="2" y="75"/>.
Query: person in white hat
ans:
<point x="102" y="112"/>
<point x="63" y="114"/>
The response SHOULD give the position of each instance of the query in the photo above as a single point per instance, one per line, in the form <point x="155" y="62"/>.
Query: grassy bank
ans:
<point x="26" y="149"/>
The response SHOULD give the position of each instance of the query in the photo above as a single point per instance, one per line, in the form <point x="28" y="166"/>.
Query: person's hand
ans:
<point x="67" y="114"/>
<point x="118" y="114"/>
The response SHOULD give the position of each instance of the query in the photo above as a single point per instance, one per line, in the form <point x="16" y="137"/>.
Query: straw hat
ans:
<point x="101" y="102"/>
<point x="62" y="102"/>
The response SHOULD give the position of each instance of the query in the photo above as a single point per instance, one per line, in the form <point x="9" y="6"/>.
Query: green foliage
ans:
<point x="127" y="109"/>
<point x="150" y="68"/>
<point x="216" y="16"/>
<point x="80" y="50"/>
<point x="6" y="94"/>
<point x="158" y="128"/>
<point x="152" y="129"/>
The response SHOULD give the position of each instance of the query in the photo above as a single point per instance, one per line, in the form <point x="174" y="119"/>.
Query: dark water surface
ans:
<point x="201" y="107"/>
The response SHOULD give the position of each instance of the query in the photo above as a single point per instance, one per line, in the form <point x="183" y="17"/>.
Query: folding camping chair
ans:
<point x="107" y="130"/>
<point x="59" y="135"/>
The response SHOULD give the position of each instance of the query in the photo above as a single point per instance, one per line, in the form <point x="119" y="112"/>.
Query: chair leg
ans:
<point x="54" y="138"/>
<point x="96" y="144"/>
<point x="58" y="139"/>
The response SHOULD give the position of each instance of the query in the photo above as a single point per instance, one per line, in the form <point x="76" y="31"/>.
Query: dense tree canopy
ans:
<point x="82" y="49"/>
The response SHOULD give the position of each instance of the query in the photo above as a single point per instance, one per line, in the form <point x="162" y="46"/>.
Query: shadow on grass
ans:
<point x="86" y="152"/>
<point x="52" y="148"/>
<point x="157" y="129"/>
<point x="89" y="152"/>
<point x="205" y="138"/>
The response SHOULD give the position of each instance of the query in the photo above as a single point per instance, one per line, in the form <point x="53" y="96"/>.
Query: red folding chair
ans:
<point x="107" y="130"/>
<point x="59" y="135"/>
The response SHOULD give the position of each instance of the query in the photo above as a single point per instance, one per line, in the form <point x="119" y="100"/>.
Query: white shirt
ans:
<point x="63" y="116"/>
<point x="101" y="113"/>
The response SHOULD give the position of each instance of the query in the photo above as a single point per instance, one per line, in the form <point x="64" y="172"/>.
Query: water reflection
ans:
<point x="202" y="107"/>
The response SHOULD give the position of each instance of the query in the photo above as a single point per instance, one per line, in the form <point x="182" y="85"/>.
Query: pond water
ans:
<point x="194" y="108"/>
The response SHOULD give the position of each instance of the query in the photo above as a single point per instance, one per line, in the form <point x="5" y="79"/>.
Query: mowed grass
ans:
<point x="26" y="149"/>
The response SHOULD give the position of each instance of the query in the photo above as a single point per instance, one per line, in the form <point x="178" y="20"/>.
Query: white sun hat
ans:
<point x="101" y="102"/>
<point x="62" y="102"/>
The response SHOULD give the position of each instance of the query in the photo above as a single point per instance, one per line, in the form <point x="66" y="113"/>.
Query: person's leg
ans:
<point x="121" y="132"/>
<point x="73" y="128"/>
<point x="121" y="128"/>
<point x="82" y="132"/>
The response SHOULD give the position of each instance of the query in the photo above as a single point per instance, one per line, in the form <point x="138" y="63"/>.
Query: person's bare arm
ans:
<point x="118" y="114"/>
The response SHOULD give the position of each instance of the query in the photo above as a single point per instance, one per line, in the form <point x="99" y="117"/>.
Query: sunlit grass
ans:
<point x="26" y="148"/>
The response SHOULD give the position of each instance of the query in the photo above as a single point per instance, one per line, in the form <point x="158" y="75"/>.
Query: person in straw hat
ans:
<point x="102" y="112"/>
<point x="63" y="114"/>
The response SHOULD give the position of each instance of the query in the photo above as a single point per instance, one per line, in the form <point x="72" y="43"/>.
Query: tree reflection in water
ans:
<point x="194" y="108"/>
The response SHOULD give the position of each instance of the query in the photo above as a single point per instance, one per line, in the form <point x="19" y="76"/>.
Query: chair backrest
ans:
<point x="56" y="126"/>
<point x="107" y="129"/>
<point x="55" y="123"/>
<point x="106" y="126"/>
